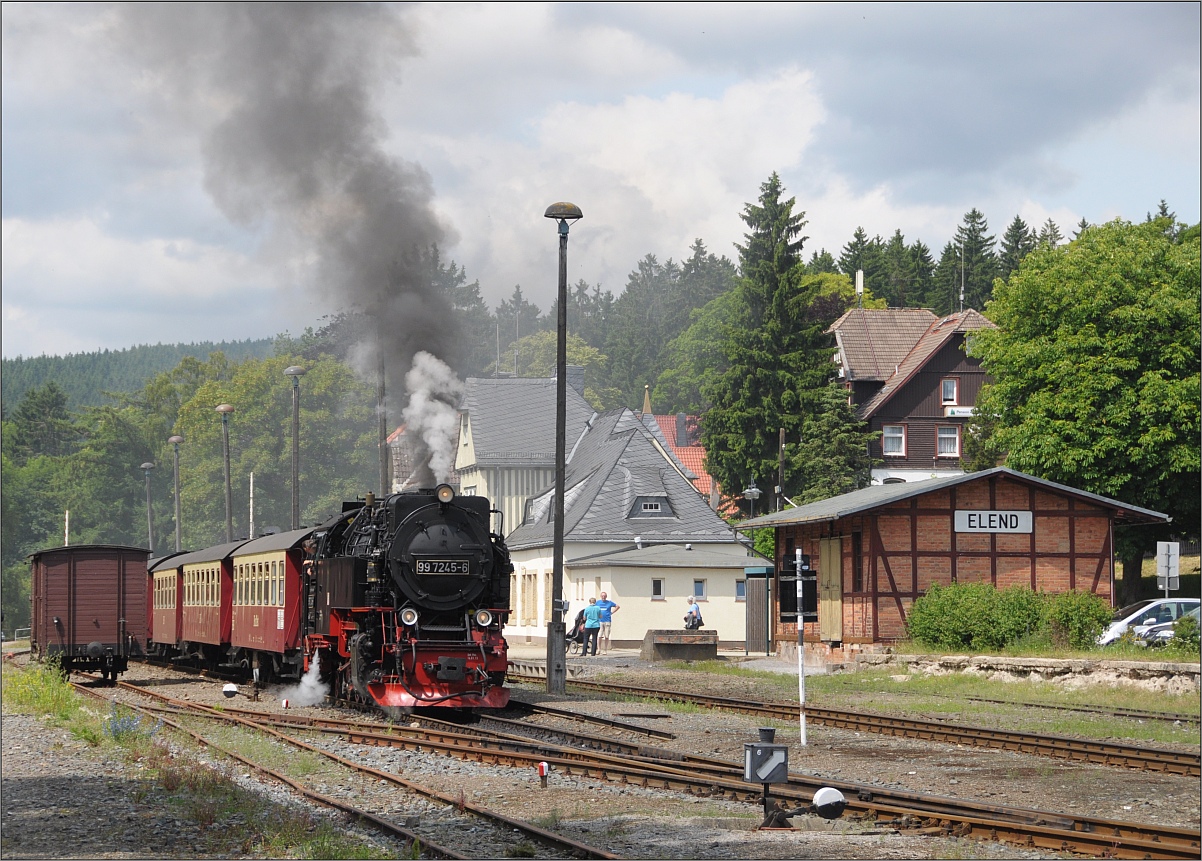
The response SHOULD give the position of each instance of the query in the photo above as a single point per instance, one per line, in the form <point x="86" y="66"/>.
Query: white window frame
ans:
<point x="885" y="436"/>
<point x="740" y="591"/>
<point x="955" y="386"/>
<point x="699" y="590"/>
<point x="941" y="433"/>
<point x="662" y="596"/>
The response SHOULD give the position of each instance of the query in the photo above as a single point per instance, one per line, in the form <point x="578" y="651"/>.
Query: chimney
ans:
<point x="682" y="432"/>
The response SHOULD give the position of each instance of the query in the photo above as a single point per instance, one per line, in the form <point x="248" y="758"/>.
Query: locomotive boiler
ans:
<point x="407" y="597"/>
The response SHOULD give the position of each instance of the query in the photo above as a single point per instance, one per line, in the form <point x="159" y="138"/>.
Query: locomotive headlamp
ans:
<point x="483" y="618"/>
<point x="409" y="616"/>
<point x="445" y="493"/>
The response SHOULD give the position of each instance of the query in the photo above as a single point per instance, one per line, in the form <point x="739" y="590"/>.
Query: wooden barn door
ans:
<point x="830" y="589"/>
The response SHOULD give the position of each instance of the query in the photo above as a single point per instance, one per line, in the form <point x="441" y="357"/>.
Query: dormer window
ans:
<point x="652" y="506"/>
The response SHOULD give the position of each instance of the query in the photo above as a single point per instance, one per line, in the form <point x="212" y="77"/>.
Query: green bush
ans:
<point x="1186" y="640"/>
<point x="1077" y="618"/>
<point x="956" y="617"/>
<point x="979" y="617"/>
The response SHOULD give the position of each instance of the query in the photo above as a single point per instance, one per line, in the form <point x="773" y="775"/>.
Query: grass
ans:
<point x="232" y="820"/>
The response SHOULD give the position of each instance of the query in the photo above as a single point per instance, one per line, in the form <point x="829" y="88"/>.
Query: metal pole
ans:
<point x="225" y="410"/>
<point x="295" y="452"/>
<point x="557" y="676"/>
<point x="780" y="473"/>
<point x="175" y="441"/>
<point x="146" y="468"/>
<point x="556" y="625"/>
<point x="801" y="650"/>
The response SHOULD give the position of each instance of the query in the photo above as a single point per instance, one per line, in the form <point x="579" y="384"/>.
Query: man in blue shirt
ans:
<point x="608" y="608"/>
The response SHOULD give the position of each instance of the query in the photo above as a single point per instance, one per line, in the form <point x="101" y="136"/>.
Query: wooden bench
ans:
<point x="680" y="645"/>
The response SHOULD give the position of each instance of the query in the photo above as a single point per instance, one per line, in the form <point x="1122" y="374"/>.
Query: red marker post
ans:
<point x="543" y="770"/>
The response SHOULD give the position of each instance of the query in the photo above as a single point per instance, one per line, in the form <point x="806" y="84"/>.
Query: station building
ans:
<point x="876" y="550"/>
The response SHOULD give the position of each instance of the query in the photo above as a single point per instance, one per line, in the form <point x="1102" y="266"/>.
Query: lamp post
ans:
<point x="175" y="441"/>
<point x="296" y="372"/>
<point x="225" y="410"/>
<point x="146" y="468"/>
<point x="752" y="493"/>
<point x="557" y="676"/>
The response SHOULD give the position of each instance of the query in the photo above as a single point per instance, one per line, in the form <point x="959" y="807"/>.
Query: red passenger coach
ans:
<point x="89" y="606"/>
<point x="164" y="611"/>
<point x="266" y="634"/>
<point x="201" y="602"/>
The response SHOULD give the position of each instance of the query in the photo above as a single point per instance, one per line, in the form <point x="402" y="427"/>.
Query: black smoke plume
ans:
<point x="293" y="147"/>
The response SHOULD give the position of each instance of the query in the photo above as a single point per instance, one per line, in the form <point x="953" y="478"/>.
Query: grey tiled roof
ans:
<point x="878" y="495"/>
<point x="673" y="556"/>
<point x="513" y="420"/>
<point x="938" y="334"/>
<point x="874" y="341"/>
<point x="617" y="461"/>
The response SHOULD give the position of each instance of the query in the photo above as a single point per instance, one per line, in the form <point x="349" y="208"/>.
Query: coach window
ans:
<point x="657" y="590"/>
<point x="893" y="440"/>
<point x="951" y="391"/>
<point x="949" y="441"/>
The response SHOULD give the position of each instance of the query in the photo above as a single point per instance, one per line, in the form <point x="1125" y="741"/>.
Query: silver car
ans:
<point x="1145" y="614"/>
<point x="1158" y="635"/>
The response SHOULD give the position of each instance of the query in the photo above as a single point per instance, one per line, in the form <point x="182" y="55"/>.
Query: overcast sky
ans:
<point x="659" y="121"/>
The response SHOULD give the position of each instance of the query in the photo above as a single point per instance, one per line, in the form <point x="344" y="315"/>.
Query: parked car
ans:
<point x="1138" y="617"/>
<point x="1158" y="635"/>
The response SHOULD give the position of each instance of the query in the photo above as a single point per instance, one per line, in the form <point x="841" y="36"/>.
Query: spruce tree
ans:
<point x="1017" y="242"/>
<point x="979" y="261"/>
<point x="821" y="261"/>
<point x="1049" y="235"/>
<point x="923" y="269"/>
<point x="862" y="253"/>
<point x="779" y="356"/>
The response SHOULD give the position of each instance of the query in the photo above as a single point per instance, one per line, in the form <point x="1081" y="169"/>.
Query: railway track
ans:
<point x="171" y="711"/>
<point x="1060" y="747"/>
<point x="632" y="763"/>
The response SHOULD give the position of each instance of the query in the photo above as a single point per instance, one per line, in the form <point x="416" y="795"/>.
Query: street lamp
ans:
<point x="752" y="493"/>
<point x="225" y="410"/>
<point x="557" y="676"/>
<point x="296" y="372"/>
<point x="146" y="468"/>
<point x="175" y="441"/>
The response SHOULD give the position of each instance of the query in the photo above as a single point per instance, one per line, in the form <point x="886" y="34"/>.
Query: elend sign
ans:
<point x="994" y="521"/>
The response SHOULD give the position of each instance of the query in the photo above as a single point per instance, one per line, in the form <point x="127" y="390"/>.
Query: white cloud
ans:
<point x="69" y="286"/>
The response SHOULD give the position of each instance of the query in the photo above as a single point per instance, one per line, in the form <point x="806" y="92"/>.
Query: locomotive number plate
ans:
<point x="443" y="566"/>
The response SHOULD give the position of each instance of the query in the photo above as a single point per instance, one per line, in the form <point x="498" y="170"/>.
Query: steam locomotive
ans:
<point x="397" y="603"/>
<point x="407" y="597"/>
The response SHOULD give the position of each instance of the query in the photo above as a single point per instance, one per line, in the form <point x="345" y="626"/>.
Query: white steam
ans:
<point x="432" y="414"/>
<point x="309" y="691"/>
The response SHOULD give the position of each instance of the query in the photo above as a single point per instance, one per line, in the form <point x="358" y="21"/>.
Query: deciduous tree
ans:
<point x="1095" y="366"/>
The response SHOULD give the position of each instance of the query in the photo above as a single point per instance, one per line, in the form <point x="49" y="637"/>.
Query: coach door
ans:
<point x="830" y="589"/>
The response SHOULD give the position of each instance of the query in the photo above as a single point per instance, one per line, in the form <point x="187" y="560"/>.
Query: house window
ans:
<point x="951" y="392"/>
<point x="470" y="490"/>
<point x="949" y="441"/>
<point x="657" y="590"/>
<point x="740" y="590"/>
<point x="651" y="507"/>
<point x="699" y="590"/>
<point x="893" y="440"/>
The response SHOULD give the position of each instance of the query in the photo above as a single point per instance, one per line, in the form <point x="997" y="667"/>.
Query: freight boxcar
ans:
<point x="90" y="606"/>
